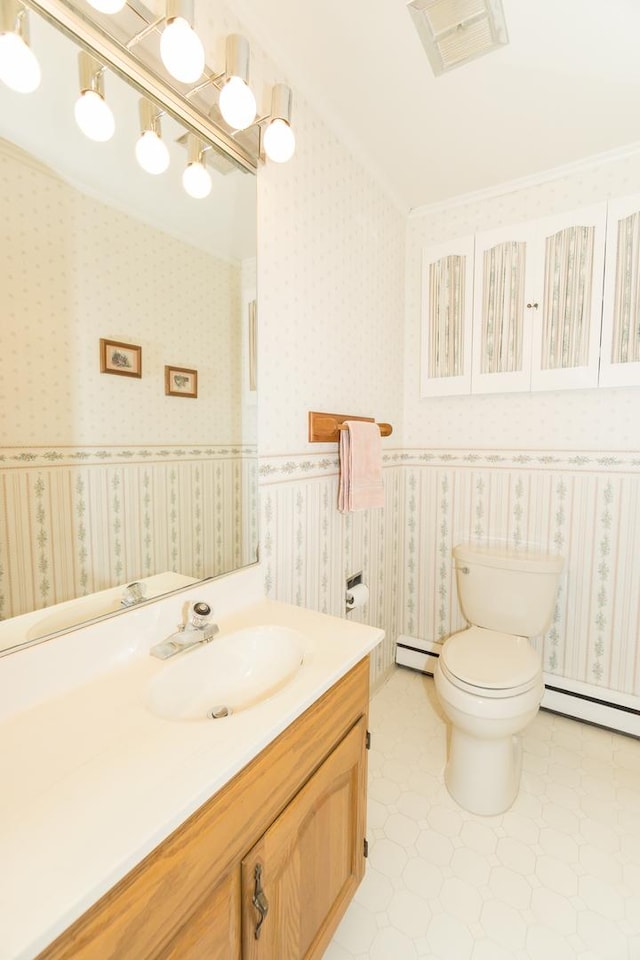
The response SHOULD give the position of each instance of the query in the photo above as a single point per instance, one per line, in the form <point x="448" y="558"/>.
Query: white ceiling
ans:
<point x="567" y="86"/>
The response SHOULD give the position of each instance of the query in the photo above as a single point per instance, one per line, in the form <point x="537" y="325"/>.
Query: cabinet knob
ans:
<point x="534" y="305"/>
<point x="259" y="900"/>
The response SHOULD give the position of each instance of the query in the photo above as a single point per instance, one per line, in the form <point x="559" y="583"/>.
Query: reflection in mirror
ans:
<point x="107" y="479"/>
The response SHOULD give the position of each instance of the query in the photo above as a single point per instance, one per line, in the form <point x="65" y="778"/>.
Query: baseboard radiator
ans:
<point x="582" y="701"/>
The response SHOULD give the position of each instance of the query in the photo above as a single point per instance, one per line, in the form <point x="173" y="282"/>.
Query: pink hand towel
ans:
<point x="361" y="485"/>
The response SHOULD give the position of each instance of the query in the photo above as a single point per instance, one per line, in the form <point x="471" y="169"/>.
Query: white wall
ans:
<point x="330" y="281"/>
<point x="331" y="313"/>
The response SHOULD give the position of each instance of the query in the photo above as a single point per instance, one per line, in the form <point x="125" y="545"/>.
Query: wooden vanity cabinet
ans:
<point x="297" y="811"/>
<point x="213" y="929"/>
<point x="309" y="862"/>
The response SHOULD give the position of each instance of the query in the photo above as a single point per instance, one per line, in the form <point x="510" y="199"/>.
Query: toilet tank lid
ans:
<point x="528" y="560"/>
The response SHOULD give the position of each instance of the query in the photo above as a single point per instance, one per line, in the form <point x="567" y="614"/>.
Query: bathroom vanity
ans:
<point x="265" y="868"/>
<point x="127" y="835"/>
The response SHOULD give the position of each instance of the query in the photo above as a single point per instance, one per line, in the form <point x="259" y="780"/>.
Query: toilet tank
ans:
<point x="510" y="591"/>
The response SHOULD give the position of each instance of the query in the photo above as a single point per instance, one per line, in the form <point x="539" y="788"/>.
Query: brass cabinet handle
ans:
<point x="534" y="305"/>
<point x="259" y="901"/>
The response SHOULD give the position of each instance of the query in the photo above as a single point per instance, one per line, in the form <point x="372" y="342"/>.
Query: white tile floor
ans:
<point x="557" y="877"/>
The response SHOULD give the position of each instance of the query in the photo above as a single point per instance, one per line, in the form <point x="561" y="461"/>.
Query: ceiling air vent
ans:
<point x="454" y="32"/>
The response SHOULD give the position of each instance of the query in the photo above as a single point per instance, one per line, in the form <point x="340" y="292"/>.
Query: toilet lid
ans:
<point x="494" y="661"/>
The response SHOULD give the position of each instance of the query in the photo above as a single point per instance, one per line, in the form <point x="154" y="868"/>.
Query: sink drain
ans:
<point x="216" y="713"/>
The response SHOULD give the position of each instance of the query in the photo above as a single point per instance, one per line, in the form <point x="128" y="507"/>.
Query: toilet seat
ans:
<point x="490" y="664"/>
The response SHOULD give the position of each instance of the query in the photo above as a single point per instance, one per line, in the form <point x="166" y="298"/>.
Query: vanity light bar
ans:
<point x="118" y="58"/>
<point x="237" y="103"/>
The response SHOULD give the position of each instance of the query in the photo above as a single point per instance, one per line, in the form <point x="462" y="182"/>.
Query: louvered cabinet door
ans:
<point x="507" y="270"/>
<point x="620" y="350"/>
<point x="447" y="310"/>
<point x="567" y="326"/>
<point x="299" y="878"/>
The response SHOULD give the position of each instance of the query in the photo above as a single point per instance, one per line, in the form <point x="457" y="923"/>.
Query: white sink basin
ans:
<point x="233" y="672"/>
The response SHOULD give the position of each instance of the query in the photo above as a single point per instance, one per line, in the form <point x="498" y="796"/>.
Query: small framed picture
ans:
<point x="180" y="382"/>
<point x="123" y="359"/>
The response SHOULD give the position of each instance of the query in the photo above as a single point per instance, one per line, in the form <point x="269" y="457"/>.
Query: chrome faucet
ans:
<point x="198" y="629"/>
<point x="133" y="593"/>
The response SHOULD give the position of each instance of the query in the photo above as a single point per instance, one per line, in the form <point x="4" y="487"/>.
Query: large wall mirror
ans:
<point x="137" y="464"/>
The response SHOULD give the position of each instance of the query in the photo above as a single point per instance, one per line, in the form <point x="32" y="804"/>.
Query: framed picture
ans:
<point x="180" y="382"/>
<point x="123" y="359"/>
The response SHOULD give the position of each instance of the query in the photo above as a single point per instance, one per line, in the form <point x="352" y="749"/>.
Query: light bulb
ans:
<point x="19" y="68"/>
<point x="94" y="116"/>
<point x="237" y="103"/>
<point x="196" y="181"/>
<point x="107" y="6"/>
<point x="181" y="51"/>
<point x="152" y="153"/>
<point x="279" y="141"/>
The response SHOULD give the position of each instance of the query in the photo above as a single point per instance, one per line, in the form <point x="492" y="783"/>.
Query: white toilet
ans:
<point x="488" y="677"/>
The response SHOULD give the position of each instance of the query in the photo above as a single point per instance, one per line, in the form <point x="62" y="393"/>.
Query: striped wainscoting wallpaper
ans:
<point x="308" y="549"/>
<point x="79" y="520"/>
<point x="585" y="506"/>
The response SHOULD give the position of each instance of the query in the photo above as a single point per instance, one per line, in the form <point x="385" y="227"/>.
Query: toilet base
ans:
<point x="483" y="776"/>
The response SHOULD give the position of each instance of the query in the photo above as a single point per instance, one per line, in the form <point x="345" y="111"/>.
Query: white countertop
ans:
<point x="91" y="781"/>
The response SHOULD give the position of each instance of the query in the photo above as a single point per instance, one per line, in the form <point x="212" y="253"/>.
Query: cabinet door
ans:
<point x="566" y="332"/>
<point x="447" y="309"/>
<point x="507" y="270"/>
<point x="620" y="352"/>
<point x="299" y="878"/>
<point x="212" y="931"/>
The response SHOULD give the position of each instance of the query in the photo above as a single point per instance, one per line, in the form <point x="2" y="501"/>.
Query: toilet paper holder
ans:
<point x="356" y="593"/>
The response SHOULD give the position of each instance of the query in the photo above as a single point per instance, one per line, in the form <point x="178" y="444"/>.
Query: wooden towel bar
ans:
<point x="325" y="427"/>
